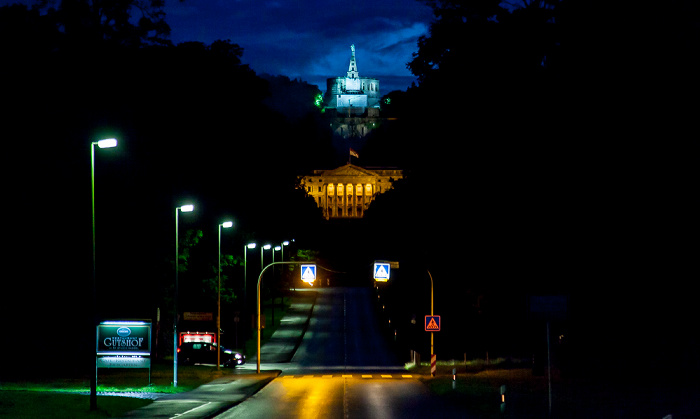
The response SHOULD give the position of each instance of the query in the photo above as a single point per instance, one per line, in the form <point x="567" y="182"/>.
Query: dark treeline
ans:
<point x="551" y="156"/>
<point x="194" y="125"/>
<point x="545" y="148"/>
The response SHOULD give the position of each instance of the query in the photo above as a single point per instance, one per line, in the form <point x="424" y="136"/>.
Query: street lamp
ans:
<point x="107" y="143"/>
<point x="226" y="224"/>
<point x="262" y="253"/>
<point x="275" y="249"/>
<point x="245" y="272"/>
<point x="262" y="249"/>
<point x="258" y="301"/>
<point x="284" y="243"/>
<point x="184" y="208"/>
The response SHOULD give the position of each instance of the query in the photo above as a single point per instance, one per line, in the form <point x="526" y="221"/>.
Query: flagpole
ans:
<point x="351" y="153"/>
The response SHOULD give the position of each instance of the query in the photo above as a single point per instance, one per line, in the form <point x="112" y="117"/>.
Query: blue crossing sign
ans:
<point x="308" y="273"/>
<point x="382" y="271"/>
<point x="432" y="323"/>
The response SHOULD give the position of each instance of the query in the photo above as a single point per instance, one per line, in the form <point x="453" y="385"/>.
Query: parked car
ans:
<point x="190" y="353"/>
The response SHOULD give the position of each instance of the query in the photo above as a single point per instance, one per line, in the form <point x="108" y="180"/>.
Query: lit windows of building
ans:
<point x="347" y="191"/>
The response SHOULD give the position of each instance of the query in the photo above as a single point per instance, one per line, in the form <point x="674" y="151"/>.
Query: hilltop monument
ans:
<point x="352" y="102"/>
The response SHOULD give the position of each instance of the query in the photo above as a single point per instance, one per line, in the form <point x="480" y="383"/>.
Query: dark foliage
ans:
<point x="546" y="148"/>
<point x="193" y="125"/>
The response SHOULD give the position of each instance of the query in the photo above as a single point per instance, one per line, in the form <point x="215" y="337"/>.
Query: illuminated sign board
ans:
<point x="198" y="316"/>
<point x="382" y="271"/>
<point x="130" y="361"/>
<point x="308" y="273"/>
<point x="123" y="338"/>
<point x="432" y="323"/>
<point x="186" y="337"/>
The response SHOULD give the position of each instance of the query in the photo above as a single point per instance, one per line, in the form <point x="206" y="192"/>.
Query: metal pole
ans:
<point x="258" y="299"/>
<point x="549" y="372"/>
<point x="218" y="310"/>
<point x="432" y="314"/>
<point x="177" y="268"/>
<point x="93" y="377"/>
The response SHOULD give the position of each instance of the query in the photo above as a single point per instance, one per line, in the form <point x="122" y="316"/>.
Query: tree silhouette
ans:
<point x="126" y="23"/>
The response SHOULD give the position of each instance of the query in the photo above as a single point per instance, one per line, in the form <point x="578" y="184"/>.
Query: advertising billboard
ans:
<point x="124" y="338"/>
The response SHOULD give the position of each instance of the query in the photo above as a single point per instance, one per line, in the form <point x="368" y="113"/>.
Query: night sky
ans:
<point x="309" y="40"/>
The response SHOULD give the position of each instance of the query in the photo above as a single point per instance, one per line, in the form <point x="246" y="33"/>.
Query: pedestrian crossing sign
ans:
<point x="308" y="273"/>
<point x="382" y="271"/>
<point x="432" y="323"/>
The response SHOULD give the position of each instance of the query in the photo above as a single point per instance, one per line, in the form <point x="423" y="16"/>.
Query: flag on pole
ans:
<point x="353" y="153"/>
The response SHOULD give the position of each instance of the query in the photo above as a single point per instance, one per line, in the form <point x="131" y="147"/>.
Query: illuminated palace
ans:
<point x="352" y="102"/>
<point x="347" y="191"/>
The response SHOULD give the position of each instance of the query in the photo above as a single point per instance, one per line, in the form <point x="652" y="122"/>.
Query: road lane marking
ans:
<point x="365" y="376"/>
<point x="189" y="411"/>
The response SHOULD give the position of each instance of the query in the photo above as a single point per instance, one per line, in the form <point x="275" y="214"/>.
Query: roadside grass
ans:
<point x="280" y="307"/>
<point x="128" y="389"/>
<point x="477" y="391"/>
<point x="44" y="404"/>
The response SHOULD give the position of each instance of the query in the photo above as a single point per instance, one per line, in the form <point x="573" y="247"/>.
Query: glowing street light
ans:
<point x="245" y="272"/>
<point x="226" y="224"/>
<point x="262" y="252"/>
<point x="106" y="143"/>
<point x="184" y="208"/>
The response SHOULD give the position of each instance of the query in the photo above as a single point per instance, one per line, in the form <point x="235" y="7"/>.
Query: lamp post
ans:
<point x="262" y="252"/>
<point x="107" y="143"/>
<point x="245" y="272"/>
<point x="284" y="243"/>
<point x="275" y="249"/>
<point x="258" y="303"/>
<point x="184" y="208"/>
<point x="226" y="224"/>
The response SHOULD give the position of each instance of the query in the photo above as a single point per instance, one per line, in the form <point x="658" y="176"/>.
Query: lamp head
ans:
<point x="107" y="143"/>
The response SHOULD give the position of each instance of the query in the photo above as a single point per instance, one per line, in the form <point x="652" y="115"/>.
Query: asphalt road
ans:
<point x="343" y="333"/>
<point x="343" y="368"/>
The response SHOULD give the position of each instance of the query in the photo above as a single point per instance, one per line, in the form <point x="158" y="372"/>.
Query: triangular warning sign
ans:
<point x="432" y="325"/>
<point x="308" y="274"/>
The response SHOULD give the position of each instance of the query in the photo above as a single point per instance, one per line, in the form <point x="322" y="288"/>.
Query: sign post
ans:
<point x="432" y="323"/>
<point x="382" y="271"/>
<point x="308" y="273"/>
<point x="123" y="344"/>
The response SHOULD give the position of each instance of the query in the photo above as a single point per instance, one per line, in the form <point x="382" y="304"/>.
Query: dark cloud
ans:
<point x="310" y="39"/>
<point x="307" y="39"/>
